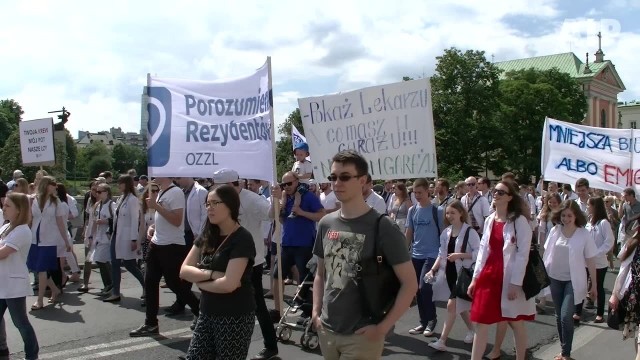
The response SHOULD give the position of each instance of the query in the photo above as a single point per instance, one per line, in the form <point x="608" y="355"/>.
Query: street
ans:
<point x="83" y="327"/>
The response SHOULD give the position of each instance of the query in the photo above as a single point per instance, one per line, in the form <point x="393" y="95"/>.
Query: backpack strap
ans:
<point x="465" y="242"/>
<point x="377" y="250"/>
<point x="434" y="213"/>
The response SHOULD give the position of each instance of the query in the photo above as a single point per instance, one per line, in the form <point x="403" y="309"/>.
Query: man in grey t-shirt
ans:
<point x="343" y="238"/>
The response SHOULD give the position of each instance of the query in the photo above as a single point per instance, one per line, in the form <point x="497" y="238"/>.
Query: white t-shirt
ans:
<point x="376" y="202"/>
<point x="14" y="275"/>
<point x="254" y="209"/>
<point x="166" y="233"/>
<point x="302" y="168"/>
<point x="329" y="202"/>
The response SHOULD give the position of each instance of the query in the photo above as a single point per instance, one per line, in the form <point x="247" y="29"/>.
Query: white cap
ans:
<point x="18" y="174"/>
<point x="225" y="176"/>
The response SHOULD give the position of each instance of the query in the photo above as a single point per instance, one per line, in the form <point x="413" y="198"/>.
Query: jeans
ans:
<point x="562" y="295"/>
<point x="600" y="274"/>
<point x="298" y="256"/>
<point x="262" y="313"/>
<point x="18" y="311"/>
<point x="426" y="306"/>
<point x="166" y="260"/>
<point x="130" y="265"/>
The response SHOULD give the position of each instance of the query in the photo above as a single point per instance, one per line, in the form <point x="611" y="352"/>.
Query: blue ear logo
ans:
<point x="159" y="126"/>
<point x="297" y="139"/>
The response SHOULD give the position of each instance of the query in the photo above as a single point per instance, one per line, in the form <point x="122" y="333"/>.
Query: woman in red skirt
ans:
<point x="496" y="287"/>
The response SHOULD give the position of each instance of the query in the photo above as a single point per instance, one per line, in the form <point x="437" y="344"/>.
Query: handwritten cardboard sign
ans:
<point x="390" y="125"/>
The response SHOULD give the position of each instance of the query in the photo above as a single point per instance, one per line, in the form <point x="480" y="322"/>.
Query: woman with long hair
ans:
<point x="15" y="240"/>
<point x="614" y="220"/>
<point x="551" y="203"/>
<point x="400" y="206"/>
<point x="88" y="216"/>
<point x="626" y="290"/>
<point x="48" y="230"/>
<point x="600" y="230"/>
<point x="22" y="186"/>
<point x="455" y="254"/>
<point x="496" y="288"/>
<point x="569" y="250"/>
<point x="102" y="227"/>
<point x="147" y="218"/>
<point x="220" y="263"/>
<point x="124" y="240"/>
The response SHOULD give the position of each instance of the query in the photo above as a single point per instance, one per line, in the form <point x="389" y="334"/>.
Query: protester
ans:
<point x="344" y="236"/>
<point x="102" y="228"/>
<point x="90" y="199"/>
<point x="147" y="216"/>
<point x="220" y="263"/>
<point x="15" y="240"/>
<point x="400" y="206"/>
<point x="496" y="287"/>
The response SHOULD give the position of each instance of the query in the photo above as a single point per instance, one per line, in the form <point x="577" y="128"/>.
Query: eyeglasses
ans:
<point x="213" y="203"/>
<point x="283" y="185"/>
<point x="342" y="177"/>
<point x="155" y="190"/>
<point x="471" y="184"/>
<point x="500" y="192"/>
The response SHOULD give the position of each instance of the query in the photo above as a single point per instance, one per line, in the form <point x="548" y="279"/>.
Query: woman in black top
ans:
<point x="220" y="263"/>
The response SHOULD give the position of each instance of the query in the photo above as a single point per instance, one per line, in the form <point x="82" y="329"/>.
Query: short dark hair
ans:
<point x="566" y="187"/>
<point x="422" y="182"/>
<point x="582" y="182"/>
<point x="629" y="191"/>
<point x="352" y="157"/>
<point x="444" y="182"/>
<point x="581" y="220"/>
<point x="106" y="174"/>
<point x="485" y="180"/>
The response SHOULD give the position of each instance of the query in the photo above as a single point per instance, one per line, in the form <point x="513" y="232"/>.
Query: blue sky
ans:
<point x="93" y="57"/>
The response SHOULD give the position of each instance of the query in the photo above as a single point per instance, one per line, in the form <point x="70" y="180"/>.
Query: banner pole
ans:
<point x="276" y="204"/>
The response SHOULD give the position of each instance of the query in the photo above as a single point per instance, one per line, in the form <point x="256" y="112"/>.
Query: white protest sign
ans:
<point x="36" y="142"/>
<point x="197" y="127"/>
<point x="608" y="158"/>
<point x="297" y="138"/>
<point x="390" y="125"/>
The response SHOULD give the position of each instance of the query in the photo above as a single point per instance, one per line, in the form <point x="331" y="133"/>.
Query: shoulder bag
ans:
<point x="465" y="275"/>
<point x="535" y="275"/>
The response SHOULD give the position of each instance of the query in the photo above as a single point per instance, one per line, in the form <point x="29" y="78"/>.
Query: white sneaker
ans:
<point x="469" y="338"/>
<point x="438" y="345"/>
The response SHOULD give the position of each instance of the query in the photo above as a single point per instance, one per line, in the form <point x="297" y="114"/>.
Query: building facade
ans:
<point x="111" y="138"/>
<point x="629" y="114"/>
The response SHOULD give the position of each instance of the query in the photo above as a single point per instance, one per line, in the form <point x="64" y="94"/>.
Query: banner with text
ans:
<point x="606" y="157"/>
<point x="198" y="127"/>
<point x="36" y="142"/>
<point x="390" y="125"/>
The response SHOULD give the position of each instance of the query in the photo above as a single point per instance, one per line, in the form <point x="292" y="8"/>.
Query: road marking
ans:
<point x="143" y="346"/>
<point x="67" y="353"/>
<point x="581" y="337"/>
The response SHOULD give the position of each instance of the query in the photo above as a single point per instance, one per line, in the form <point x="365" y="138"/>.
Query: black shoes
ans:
<point x="265" y="354"/>
<point x="145" y="330"/>
<point x="174" y="309"/>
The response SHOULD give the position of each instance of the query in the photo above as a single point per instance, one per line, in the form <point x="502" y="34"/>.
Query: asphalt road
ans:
<point x="83" y="327"/>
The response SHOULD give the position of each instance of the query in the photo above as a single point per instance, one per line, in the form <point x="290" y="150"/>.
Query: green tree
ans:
<point x="125" y="157"/>
<point x="527" y="97"/>
<point x="72" y="151"/>
<point x="88" y="153"/>
<point x="465" y="93"/>
<point x="10" y="116"/>
<point x="99" y="164"/>
<point x="284" y="154"/>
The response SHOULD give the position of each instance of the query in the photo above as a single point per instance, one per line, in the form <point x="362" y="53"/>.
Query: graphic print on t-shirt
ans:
<point x="342" y="251"/>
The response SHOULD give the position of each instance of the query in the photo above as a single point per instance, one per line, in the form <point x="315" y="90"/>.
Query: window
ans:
<point x="603" y="119"/>
<point x="634" y="125"/>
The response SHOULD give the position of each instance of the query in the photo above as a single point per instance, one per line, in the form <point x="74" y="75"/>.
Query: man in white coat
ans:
<point x="195" y="216"/>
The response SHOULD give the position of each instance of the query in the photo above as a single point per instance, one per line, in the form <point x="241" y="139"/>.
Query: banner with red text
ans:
<point x="606" y="157"/>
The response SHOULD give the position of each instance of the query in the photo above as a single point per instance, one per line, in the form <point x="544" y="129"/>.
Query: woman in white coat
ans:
<point x="459" y="245"/>
<point x="15" y="240"/>
<point x="124" y="240"/>
<point x="568" y="251"/>
<point x="48" y="230"/>
<point x="496" y="287"/>
<point x="626" y="290"/>
<point x="100" y="237"/>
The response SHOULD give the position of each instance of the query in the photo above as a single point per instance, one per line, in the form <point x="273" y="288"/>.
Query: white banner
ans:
<point x="390" y="125"/>
<point x="297" y="138"/>
<point x="197" y="127"/>
<point x="36" y="142"/>
<point x="606" y="157"/>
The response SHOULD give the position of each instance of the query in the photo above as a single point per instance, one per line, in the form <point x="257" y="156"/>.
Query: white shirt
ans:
<point x="480" y="209"/>
<point x="14" y="274"/>
<point x="376" y="202"/>
<point x="166" y="233"/>
<point x="47" y="221"/>
<point x="302" y="168"/>
<point x="583" y="206"/>
<point x="572" y="196"/>
<point x="254" y="209"/>
<point x="559" y="268"/>
<point x="602" y="235"/>
<point x="73" y="207"/>
<point x="195" y="209"/>
<point x="329" y="201"/>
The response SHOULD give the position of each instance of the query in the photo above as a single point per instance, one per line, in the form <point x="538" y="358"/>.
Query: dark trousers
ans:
<point x="131" y="266"/>
<point x="600" y="274"/>
<point x="105" y="274"/>
<point x="56" y="275"/>
<point x="166" y="260"/>
<point x="188" y="240"/>
<point x="18" y="311"/>
<point x="262" y="313"/>
<point x="426" y="306"/>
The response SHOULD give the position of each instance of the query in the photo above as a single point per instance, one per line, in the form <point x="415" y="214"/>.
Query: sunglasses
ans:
<point x="342" y="177"/>
<point x="283" y="185"/>
<point x="500" y="192"/>
<point x="471" y="184"/>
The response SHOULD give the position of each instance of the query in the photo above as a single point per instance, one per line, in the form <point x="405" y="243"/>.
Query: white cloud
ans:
<point x="93" y="59"/>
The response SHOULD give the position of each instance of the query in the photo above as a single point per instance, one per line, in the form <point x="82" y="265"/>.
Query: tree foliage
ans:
<point x="125" y="157"/>
<point x="284" y="146"/>
<point x="98" y="164"/>
<point x="465" y="93"/>
<point x="88" y="153"/>
<point x="10" y="117"/>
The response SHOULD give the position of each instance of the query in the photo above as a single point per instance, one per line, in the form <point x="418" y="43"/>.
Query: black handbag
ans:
<point x="377" y="282"/>
<point x="615" y="318"/>
<point x="535" y="274"/>
<point x="465" y="275"/>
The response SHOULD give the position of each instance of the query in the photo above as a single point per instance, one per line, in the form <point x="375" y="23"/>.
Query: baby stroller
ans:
<point x="284" y="330"/>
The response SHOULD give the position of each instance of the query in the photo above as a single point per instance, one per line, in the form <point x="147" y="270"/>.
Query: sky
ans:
<point x="93" y="57"/>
